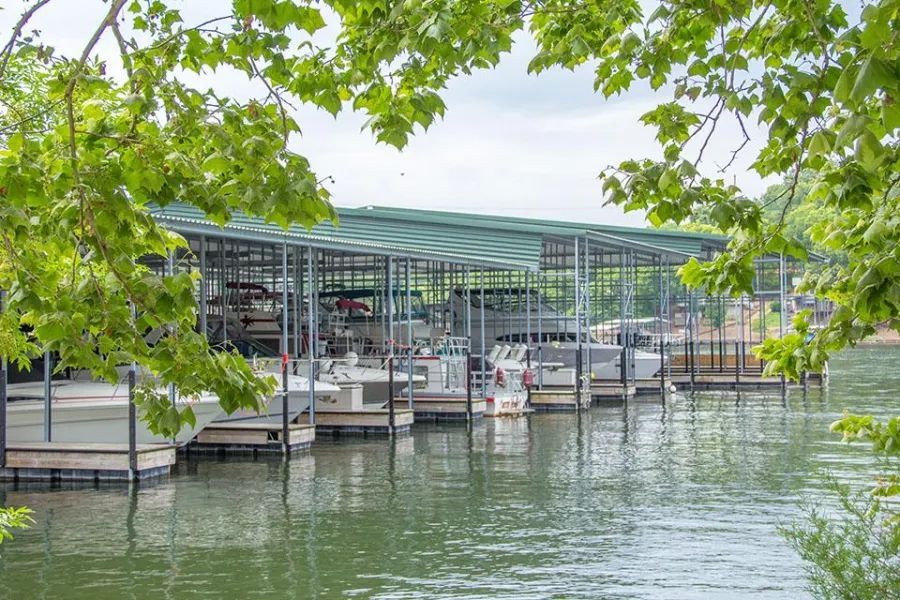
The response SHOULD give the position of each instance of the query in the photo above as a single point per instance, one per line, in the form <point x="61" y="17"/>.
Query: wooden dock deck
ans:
<point x="562" y="399"/>
<point x="360" y="422"/>
<point x="610" y="390"/>
<point x="434" y="409"/>
<point x="253" y="437"/>
<point x="730" y="382"/>
<point x="66" y="461"/>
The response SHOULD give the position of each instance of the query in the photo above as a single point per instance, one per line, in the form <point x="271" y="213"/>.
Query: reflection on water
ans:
<point x="638" y="500"/>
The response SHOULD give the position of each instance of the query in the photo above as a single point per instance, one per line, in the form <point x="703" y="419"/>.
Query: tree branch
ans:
<point x="7" y="51"/>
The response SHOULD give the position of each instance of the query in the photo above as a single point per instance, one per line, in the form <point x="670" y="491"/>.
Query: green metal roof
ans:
<point x="651" y="240"/>
<point x="358" y="232"/>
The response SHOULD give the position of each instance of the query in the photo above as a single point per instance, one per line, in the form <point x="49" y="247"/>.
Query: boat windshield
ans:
<point x="511" y="300"/>
<point x="368" y="303"/>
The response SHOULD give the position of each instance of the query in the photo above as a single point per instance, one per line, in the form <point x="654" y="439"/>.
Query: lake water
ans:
<point x="640" y="500"/>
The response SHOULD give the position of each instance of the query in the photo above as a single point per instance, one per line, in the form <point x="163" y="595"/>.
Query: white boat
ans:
<point x="90" y="411"/>
<point x="506" y="386"/>
<point x="298" y="401"/>
<point x="507" y="320"/>
<point x="375" y="382"/>
<point x="646" y="365"/>
<point x="361" y="316"/>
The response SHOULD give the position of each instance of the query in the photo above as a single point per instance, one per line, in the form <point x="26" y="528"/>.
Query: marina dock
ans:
<point x="433" y="409"/>
<point x="552" y="400"/>
<point x="374" y="421"/>
<point x="253" y="437"/>
<point x="63" y="461"/>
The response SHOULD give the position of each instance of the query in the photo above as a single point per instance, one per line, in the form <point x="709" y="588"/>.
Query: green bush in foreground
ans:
<point x="14" y="518"/>
<point x="854" y="551"/>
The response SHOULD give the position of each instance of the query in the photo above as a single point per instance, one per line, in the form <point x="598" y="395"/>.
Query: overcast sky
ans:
<point x="510" y="143"/>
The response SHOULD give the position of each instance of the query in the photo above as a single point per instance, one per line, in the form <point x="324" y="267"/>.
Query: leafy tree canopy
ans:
<point x="87" y="146"/>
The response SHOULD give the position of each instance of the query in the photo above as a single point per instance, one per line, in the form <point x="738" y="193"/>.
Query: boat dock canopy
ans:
<point x="358" y="232"/>
<point x="489" y="241"/>
<point x="652" y="241"/>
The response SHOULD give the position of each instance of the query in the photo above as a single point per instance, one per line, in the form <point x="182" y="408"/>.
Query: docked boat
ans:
<point x="91" y="411"/>
<point x="507" y="380"/>
<point x="298" y="401"/>
<point x="375" y="382"/>
<point x="360" y="317"/>
<point x="646" y="365"/>
<point x="507" y="320"/>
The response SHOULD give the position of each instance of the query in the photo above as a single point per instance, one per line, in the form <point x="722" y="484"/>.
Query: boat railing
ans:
<point x="513" y="381"/>
<point x="450" y="346"/>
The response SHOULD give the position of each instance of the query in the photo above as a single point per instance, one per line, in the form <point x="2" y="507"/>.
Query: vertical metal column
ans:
<point x="528" y="333"/>
<point x="587" y="311"/>
<point x="660" y="329"/>
<point x="782" y="308"/>
<point x="285" y="427"/>
<point x="170" y="267"/>
<point x="578" y="363"/>
<point x="540" y="333"/>
<point x="623" y="331"/>
<point x="3" y="398"/>
<point x="409" y="336"/>
<point x="483" y="345"/>
<point x="132" y="416"/>
<point x="468" y="331"/>
<point x="311" y="330"/>
<point x="223" y="304"/>
<point x="296" y="304"/>
<point x="48" y="394"/>
<point x="204" y="289"/>
<point x="389" y="307"/>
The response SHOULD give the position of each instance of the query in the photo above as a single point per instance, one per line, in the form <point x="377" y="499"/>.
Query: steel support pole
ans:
<point x="540" y="334"/>
<point x="467" y="315"/>
<point x="782" y="308"/>
<point x="578" y="362"/>
<point x="311" y="330"/>
<point x="170" y="267"/>
<point x="3" y="406"/>
<point x="528" y="334"/>
<point x="662" y="312"/>
<point x="132" y="424"/>
<point x="296" y="304"/>
<point x="48" y="394"/>
<point x="389" y="306"/>
<point x="483" y="345"/>
<point x="587" y="311"/>
<point x="623" y="328"/>
<point x="409" y="334"/>
<point x="223" y="292"/>
<point x="204" y="289"/>
<point x="3" y="398"/>
<point x="285" y="426"/>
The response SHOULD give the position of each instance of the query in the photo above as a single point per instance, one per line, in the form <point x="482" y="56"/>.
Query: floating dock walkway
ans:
<point x="361" y="422"/>
<point x="253" y="438"/>
<point x="559" y="400"/>
<point x="66" y="461"/>
<point x="435" y="409"/>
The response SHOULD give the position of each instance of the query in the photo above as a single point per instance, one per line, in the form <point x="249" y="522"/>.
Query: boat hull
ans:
<point x="97" y="421"/>
<point x="565" y="353"/>
<point x="646" y="365"/>
<point x="510" y="403"/>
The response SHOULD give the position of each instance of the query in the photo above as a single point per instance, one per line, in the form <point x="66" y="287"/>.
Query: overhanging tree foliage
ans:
<point x="88" y="145"/>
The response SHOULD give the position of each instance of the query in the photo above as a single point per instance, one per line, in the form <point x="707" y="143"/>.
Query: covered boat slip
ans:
<point x="398" y="315"/>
